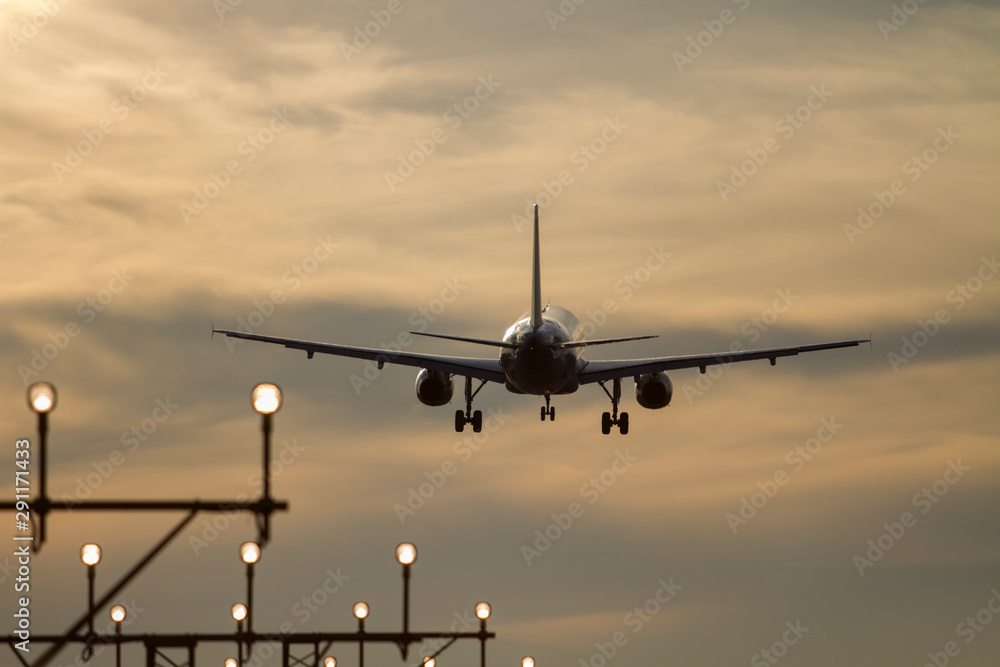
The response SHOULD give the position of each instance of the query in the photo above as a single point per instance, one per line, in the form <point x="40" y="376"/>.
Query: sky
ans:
<point x="720" y="174"/>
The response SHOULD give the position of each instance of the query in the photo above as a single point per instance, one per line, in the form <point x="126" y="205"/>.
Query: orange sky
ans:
<point x="815" y="171"/>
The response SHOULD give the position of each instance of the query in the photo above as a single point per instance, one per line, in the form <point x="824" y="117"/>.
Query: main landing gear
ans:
<point x="548" y="410"/>
<point x="609" y="419"/>
<point x="470" y="417"/>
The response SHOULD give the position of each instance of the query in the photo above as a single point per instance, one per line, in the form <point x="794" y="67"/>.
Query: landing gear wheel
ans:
<point x="469" y="417"/>
<point x="606" y="423"/>
<point x="609" y="419"/>
<point x="548" y="410"/>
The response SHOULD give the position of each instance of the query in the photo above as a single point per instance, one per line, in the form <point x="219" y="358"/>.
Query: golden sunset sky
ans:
<point x="726" y="174"/>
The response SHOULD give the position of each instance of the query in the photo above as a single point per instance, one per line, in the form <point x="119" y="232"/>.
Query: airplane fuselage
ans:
<point x="538" y="365"/>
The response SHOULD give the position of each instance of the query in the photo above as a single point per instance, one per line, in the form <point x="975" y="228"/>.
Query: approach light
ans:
<point x="239" y="611"/>
<point x="231" y="662"/>
<point x="361" y="610"/>
<point x="90" y="554"/>
<point x="527" y="662"/>
<point x="118" y="613"/>
<point x="329" y="661"/>
<point x="483" y="610"/>
<point x="250" y="552"/>
<point x="429" y="662"/>
<point x="406" y="553"/>
<point x="266" y="398"/>
<point x="42" y="397"/>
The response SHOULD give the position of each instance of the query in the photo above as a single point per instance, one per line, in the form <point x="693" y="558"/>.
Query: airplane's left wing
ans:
<point x="483" y="369"/>
<point x="599" y="371"/>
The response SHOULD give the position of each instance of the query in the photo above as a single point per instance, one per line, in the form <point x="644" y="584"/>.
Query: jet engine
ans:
<point x="653" y="390"/>
<point x="434" y="387"/>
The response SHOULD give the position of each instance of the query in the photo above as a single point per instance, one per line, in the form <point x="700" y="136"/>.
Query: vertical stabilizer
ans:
<point x="536" y="281"/>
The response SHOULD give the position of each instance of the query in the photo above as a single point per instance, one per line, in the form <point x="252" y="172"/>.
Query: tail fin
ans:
<point x="536" y="282"/>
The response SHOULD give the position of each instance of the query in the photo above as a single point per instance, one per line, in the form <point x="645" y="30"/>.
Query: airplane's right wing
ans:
<point x="600" y="371"/>
<point x="483" y="369"/>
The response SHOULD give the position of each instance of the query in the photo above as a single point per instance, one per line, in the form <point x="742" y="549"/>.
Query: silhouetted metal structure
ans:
<point x="266" y="399"/>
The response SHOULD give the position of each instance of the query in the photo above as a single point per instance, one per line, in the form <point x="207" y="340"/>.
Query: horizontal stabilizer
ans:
<point x="604" y="341"/>
<point x="477" y="341"/>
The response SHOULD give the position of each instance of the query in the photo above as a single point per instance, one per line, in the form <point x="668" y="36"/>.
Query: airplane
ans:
<point x="540" y="354"/>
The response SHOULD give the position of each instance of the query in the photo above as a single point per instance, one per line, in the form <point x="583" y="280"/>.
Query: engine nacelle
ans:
<point x="653" y="390"/>
<point x="434" y="387"/>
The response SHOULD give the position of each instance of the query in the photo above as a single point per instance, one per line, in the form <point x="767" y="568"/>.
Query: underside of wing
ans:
<point x="483" y="369"/>
<point x="599" y="371"/>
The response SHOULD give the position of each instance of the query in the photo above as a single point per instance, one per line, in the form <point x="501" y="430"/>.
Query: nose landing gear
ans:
<point x="548" y="410"/>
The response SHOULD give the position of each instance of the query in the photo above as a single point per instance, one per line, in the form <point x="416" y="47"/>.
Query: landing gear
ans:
<point x="470" y="417"/>
<point x="609" y="419"/>
<point x="548" y="410"/>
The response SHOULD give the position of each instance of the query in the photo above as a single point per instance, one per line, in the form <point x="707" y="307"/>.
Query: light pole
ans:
<point x="406" y="554"/>
<point x="42" y="399"/>
<point x="90" y="554"/>
<point x="361" y="613"/>
<point x="266" y="399"/>
<point x="239" y="612"/>
<point x="483" y="611"/>
<point x="249" y="554"/>
<point x="118" y="615"/>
